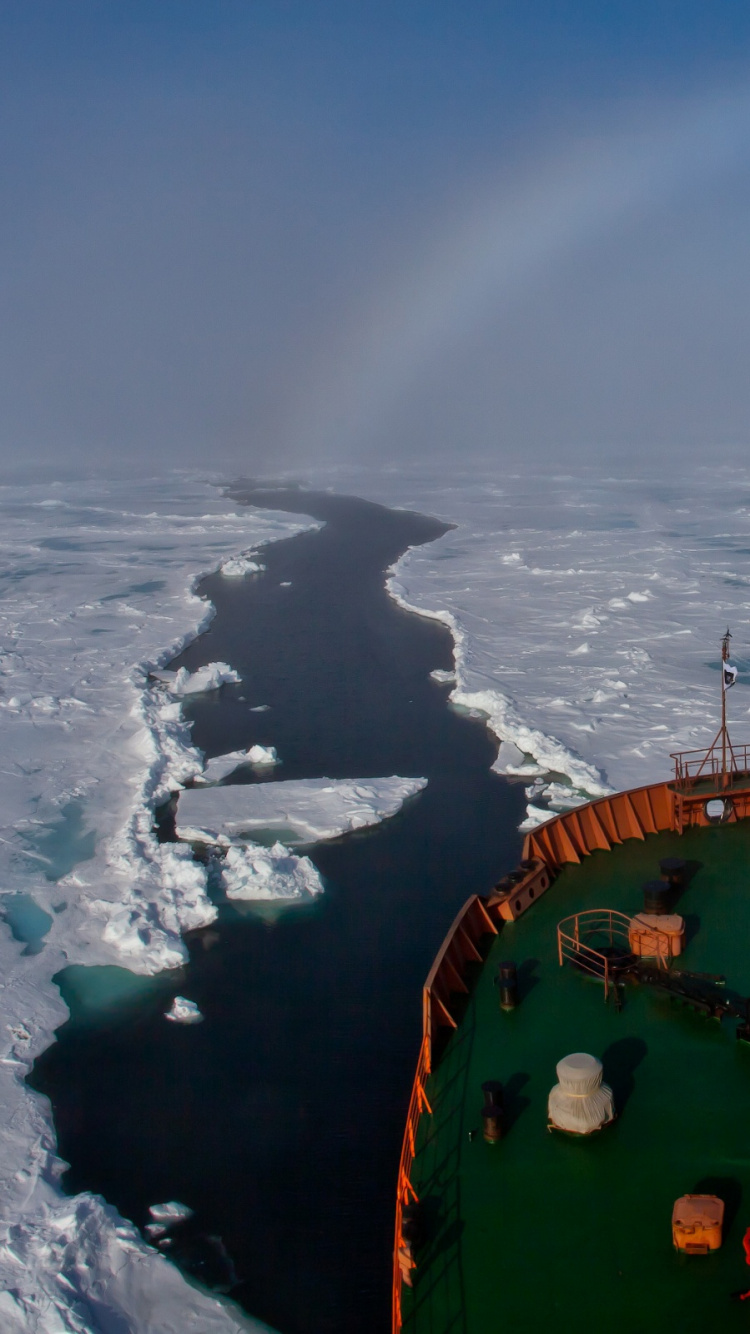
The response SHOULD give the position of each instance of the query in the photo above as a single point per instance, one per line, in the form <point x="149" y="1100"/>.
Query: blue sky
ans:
<point x="268" y="233"/>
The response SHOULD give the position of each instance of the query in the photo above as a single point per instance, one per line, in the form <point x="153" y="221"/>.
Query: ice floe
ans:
<point x="259" y="874"/>
<point x="222" y="765"/>
<point x="165" y="1216"/>
<point x="238" y="566"/>
<point x="303" y="810"/>
<point x="183" y="1011"/>
<point x="210" y="677"/>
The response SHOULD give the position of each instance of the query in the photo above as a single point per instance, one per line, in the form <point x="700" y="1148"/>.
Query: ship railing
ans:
<point x="584" y="938"/>
<point x="446" y="981"/>
<point x="720" y="765"/>
<point x="403" y="1261"/>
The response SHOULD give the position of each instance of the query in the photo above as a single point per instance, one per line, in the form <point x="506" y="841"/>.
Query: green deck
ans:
<point x="547" y="1232"/>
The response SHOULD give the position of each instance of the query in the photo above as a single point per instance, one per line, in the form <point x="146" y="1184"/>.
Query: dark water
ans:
<point x="279" y="1119"/>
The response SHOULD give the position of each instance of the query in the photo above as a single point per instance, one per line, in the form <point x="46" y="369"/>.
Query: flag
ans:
<point x="730" y="675"/>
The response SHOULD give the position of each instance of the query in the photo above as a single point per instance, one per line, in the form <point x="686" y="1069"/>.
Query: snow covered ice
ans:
<point x="586" y="610"/>
<point x="262" y="875"/>
<point x="306" y="809"/>
<point x="210" y="677"/>
<point x="165" y="1216"/>
<point x="299" y="811"/>
<point x="97" y="594"/>
<point x="220" y="766"/>
<point x="183" y="1011"/>
<point x="262" y="756"/>
<point x="238" y="566"/>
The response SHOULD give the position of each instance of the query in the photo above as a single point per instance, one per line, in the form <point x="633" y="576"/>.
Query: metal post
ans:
<point x="724" y="657"/>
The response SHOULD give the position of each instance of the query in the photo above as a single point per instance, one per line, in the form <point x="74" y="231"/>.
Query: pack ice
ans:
<point x="98" y="585"/>
<point x="586" y="611"/>
<point x="298" y="811"/>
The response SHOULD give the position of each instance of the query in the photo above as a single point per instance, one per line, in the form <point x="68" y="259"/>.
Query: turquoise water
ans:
<point x="27" y="921"/>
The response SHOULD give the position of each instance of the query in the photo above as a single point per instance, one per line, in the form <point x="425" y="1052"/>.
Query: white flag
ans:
<point x="730" y="675"/>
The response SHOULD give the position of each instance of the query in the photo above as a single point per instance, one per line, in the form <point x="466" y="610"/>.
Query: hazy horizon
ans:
<point x="276" y="237"/>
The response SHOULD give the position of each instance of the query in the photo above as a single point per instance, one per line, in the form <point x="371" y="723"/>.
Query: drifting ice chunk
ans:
<point x="171" y="1212"/>
<point x="210" y="677"/>
<point x="509" y="757"/>
<point x="261" y="755"/>
<point x="237" y="566"/>
<point x="222" y="765"/>
<point x="254" y="873"/>
<point x="535" y="815"/>
<point x="444" y="677"/>
<point x="184" y="1011"/>
<point x="165" y="1216"/>
<point x="312" y="808"/>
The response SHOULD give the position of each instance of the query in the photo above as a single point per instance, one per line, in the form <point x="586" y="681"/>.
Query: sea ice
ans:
<point x="165" y="1216"/>
<point x="262" y="755"/>
<point x="653" y="568"/>
<point x="222" y="765"/>
<point x="183" y="1011"/>
<point x="98" y="593"/>
<point x="237" y="566"/>
<point x="171" y="1212"/>
<point x="252" y="872"/>
<point x="210" y="677"/>
<point x="535" y="815"/>
<point x="311" y="808"/>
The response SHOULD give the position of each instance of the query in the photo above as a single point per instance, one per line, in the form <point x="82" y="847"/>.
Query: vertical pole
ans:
<point x="723" y="728"/>
<point x="724" y="657"/>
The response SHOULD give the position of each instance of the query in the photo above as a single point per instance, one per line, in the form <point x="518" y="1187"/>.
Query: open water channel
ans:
<point x="279" y="1119"/>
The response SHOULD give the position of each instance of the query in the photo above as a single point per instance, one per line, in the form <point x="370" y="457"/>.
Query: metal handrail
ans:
<point x="618" y="927"/>
<point x="693" y="765"/>
<point x="405" y="1191"/>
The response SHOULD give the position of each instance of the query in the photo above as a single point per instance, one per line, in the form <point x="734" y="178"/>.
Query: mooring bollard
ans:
<point x="492" y="1112"/>
<point x="507" y="982"/>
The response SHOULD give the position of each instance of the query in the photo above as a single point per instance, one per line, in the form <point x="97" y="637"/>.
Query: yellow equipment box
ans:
<point x="697" y="1221"/>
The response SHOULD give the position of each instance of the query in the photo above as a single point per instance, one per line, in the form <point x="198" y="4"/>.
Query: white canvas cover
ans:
<point x="580" y="1102"/>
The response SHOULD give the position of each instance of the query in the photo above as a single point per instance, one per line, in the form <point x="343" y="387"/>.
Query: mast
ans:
<point x="724" y="657"/>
